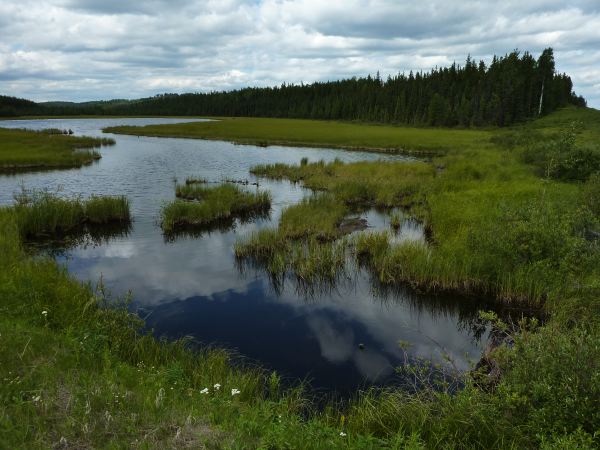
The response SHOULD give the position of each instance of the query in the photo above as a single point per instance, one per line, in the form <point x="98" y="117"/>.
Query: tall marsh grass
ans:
<point x="317" y="216"/>
<point x="40" y="213"/>
<point x="210" y="205"/>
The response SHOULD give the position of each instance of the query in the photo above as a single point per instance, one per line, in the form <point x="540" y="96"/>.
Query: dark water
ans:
<point x="192" y="286"/>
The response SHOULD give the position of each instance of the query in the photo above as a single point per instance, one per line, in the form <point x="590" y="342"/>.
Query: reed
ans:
<point x="104" y="210"/>
<point x="396" y="221"/>
<point x="40" y="213"/>
<point x="311" y="261"/>
<point x="211" y="205"/>
<point x="316" y="216"/>
<point x="193" y="180"/>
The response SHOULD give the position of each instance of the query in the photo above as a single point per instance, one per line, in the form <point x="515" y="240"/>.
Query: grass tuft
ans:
<point x="211" y="205"/>
<point x="40" y="213"/>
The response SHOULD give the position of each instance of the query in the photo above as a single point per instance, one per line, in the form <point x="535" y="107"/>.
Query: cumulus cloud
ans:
<point x="98" y="49"/>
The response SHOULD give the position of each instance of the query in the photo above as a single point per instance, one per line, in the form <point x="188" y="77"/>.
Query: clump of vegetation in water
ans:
<point x="194" y="180"/>
<point x="310" y="261"/>
<point x="31" y="150"/>
<point x="104" y="209"/>
<point x="40" y="213"/>
<point x="210" y="205"/>
<point x="317" y="216"/>
<point x="303" y="244"/>
<point x="263" y="245"/>
<point x="365" y="183"/>
<point x="303" y="241"/>
<point x="396" y="221"/>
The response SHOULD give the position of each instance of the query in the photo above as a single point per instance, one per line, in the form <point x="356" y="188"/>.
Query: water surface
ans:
<point x="340" y="339"/>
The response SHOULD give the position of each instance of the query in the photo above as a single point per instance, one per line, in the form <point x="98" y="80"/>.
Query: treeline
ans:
<point x="12" y="106"/>
<point x="511" y="89"/>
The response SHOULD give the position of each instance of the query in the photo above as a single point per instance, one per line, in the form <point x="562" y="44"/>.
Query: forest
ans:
<point x="511" y="89"/>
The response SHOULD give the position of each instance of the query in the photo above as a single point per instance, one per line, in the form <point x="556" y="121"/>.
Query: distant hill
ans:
<point x="511" y="89"/>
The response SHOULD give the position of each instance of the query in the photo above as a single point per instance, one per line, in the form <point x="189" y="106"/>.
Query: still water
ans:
<point x="339" y="339"/>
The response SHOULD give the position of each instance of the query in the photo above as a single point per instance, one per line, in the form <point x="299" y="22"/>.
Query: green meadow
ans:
<point x="47" y="149"/>
<point x="315" y="133"/>
<point x="512" y="214"/>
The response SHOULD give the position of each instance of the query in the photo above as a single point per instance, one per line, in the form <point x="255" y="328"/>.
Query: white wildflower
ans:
<point x="204" y="391"/>
<point x="342" y="434"/>
<point x="44" y="313"/>
<point x="217" y="386"/>
<point x="235" y="391"/>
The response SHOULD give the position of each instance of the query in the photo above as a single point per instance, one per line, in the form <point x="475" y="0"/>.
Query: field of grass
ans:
<point x="314" y="133"/>
<point x="49" y="149"/>
<point x="78" y="374"/>
<point x="210" y="205"/>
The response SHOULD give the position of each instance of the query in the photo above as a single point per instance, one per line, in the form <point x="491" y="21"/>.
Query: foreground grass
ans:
<point x="314" y="133"/>
<point x="213" y="204"/>
<point x="49" y="149"/>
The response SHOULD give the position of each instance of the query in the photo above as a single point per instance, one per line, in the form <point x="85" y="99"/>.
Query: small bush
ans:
<point x="563" y="158"/>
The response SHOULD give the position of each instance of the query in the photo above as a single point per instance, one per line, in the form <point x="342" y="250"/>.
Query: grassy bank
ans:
<point x="78" y="374"/>
<point x="315" y="133"/>
<point x="211" y="205"/>
<point x="48" y="149"/>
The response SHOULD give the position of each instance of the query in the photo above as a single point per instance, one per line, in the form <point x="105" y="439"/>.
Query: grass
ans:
<point x="76" y="373"/>
<point x="396" y="221"/>
<point x="302" y="244"/>
<point x="314" y="133"/>
<point x="318" y="216"/>
<point x="311" y="261"/>
<point x="363" y="184"/>
<point x="82" y="375"/>
<point x="213" y="204"/>
<point x="193" y="180"/>
<point x="34" y="150"/>
<point x="466" y="205"/>
<point x="41" y="214"/>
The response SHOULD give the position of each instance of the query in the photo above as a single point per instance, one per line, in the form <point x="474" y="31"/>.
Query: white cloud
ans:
<point x="93" y="49"/>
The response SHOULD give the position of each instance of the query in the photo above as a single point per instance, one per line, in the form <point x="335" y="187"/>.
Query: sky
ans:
<point x="81" y="50"/>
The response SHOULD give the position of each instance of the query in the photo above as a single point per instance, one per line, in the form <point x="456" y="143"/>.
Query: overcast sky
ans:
<point x="100" y="49"/>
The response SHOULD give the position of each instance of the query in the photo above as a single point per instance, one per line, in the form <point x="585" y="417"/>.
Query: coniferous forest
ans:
<point x="510" y="89"/>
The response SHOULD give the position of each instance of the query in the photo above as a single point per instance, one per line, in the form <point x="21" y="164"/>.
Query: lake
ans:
<point x="339" y="339"/>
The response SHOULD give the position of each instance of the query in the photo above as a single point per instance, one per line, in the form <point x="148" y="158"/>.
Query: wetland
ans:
<point x="190" y="284"/>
